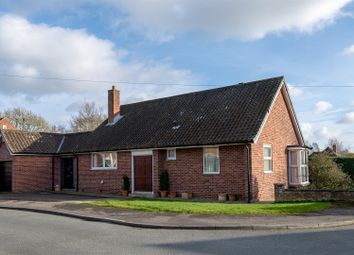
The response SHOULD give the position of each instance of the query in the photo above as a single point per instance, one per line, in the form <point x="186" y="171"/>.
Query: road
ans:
<point x="32" y="233"/>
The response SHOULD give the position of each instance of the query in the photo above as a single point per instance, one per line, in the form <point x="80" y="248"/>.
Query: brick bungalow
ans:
<point x="239" y="139"/>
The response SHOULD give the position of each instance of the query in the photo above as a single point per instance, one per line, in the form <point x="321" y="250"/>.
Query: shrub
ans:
<point x="326" y="174"/>
<point x="347" y="164"/>
<point x="164" y="181"/>
<point x="126" y="183"/>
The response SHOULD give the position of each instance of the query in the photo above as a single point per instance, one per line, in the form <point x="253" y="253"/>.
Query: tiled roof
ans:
<point x="225" y="115"/>
<point x="31" y="142"/>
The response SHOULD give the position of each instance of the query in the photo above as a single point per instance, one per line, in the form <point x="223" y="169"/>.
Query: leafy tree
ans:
<point x="326" y="174"/>
<point x="88" y="118"/>
<point x="26" y="120"/>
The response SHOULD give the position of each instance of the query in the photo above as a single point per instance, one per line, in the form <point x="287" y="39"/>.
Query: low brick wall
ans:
<point x="289" y="195"/>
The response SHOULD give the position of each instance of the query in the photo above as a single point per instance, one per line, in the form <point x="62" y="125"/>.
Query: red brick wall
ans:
<point x="32" y="173"/>
<point x="278" y="132"/>
<point x="91" y="180"/>
<point x="186" y="172"/>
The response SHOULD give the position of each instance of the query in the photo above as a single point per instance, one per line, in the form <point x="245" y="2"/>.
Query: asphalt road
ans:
<point x="32" y="233"/>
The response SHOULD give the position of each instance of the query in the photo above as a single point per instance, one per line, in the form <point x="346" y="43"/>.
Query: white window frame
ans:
<point x="171" y="158"/>
<point x="4" y="126"/>
<point x="268" y="158"/>
<point x="93" y="167"/>
<point x="217" y="158"/>
<point x="299" y="166"/>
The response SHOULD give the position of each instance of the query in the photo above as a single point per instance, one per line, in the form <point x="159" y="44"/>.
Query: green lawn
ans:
<point x="155" y="205"/>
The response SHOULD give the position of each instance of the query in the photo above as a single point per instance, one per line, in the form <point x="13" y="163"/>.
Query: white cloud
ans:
<point x="306" y="129"/>
<point x="295" y="91"/>
<point x="322" y="106"/>
<point x="162" y="19"/>
<point x="348" y="118"/>
<point x="349" y="50"/>
<point x="40" y="50"/>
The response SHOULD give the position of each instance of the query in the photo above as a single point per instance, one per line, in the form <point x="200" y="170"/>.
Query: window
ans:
<point x="4" y="126"/>
<point x="298" y="167"/>
<point x="267" y="158"/>
<point x="104" y="160"/>
<point x="171" y="154"/>
<point x="211" y="161"/>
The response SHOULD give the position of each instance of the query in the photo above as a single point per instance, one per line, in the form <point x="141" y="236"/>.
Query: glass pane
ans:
<point x="267" y="165"/>
<point x="114" y="159"/>
<point x="171" y="153"/>
<point x="293" y="157"/>
<point x="303" y="158"/>
<point x="294" y="176"/>
<point x="211" y="164"/>
<point x="98" y="160"/>
<point x="267" y="152"/>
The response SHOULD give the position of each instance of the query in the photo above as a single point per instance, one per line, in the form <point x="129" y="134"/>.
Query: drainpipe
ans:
<point x="249" y="176"/>
<point x="53" y="174"/>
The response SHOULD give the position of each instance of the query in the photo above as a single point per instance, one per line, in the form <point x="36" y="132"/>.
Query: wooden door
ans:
<point x="67" y="173"/>
<point x="143" y="173"/>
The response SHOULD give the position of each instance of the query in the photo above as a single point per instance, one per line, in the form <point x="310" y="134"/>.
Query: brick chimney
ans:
<point x="113" y="104"/>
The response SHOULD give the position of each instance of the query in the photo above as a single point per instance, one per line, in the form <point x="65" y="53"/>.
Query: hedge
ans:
<point x="347" y="165"/>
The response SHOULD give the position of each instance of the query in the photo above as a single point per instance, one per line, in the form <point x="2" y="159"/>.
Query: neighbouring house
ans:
<point x="239" y="139"/>
<point x="5" y="123"/>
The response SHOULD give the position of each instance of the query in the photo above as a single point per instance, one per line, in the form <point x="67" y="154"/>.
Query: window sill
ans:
<point x="103" y="168"/>
<point x="171" y="159"/>
<point x="211" y="173"/>
<point x="268" y="172"/>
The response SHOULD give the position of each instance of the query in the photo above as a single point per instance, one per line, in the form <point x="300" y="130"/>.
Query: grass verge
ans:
<point x="163" y="206"/>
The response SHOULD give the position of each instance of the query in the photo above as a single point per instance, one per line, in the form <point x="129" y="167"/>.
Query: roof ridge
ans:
<point x="207" y="90"/>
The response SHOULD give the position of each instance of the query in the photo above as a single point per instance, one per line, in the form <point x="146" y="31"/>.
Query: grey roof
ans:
<point x="232" y="114"/>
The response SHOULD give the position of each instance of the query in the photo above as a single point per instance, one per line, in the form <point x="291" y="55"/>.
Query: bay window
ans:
<point x="298" y="166"/>
<point x="104" y="160"/>
<point x="211" y="161"/>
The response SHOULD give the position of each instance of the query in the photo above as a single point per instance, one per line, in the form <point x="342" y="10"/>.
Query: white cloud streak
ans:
<point x="322" y="106"/>
<point x="161" y="20"/>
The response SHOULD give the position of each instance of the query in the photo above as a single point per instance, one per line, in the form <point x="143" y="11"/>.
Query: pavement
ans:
<point x="73" y="206"/>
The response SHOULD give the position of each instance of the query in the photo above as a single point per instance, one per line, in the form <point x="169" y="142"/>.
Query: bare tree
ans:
<point x="337" y="145"/>
<point x="59" y="129"/>
<point x="88" y="118"/>
<point x="26" y="120"/>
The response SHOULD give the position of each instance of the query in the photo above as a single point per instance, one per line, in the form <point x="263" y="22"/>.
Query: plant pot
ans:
<point x="57" y="188"/>
<point x="125" y="193"/>
<point x="222" y="196"/>
<point x="232" y="197"/>
<point x="172" y="194"/>
<point x="163" y="193"/>
<point x="187" y="195"/>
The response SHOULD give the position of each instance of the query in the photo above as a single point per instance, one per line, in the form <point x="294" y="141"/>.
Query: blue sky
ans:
<point x="178" y="41"/>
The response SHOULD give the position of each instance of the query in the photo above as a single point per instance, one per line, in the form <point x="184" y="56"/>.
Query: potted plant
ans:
<point x="232" y="197"/>
<point x="125" y="186"/>
<point x="164" y="183"/>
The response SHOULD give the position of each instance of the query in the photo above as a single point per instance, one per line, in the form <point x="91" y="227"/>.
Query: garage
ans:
<point x="6" y="176"/>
